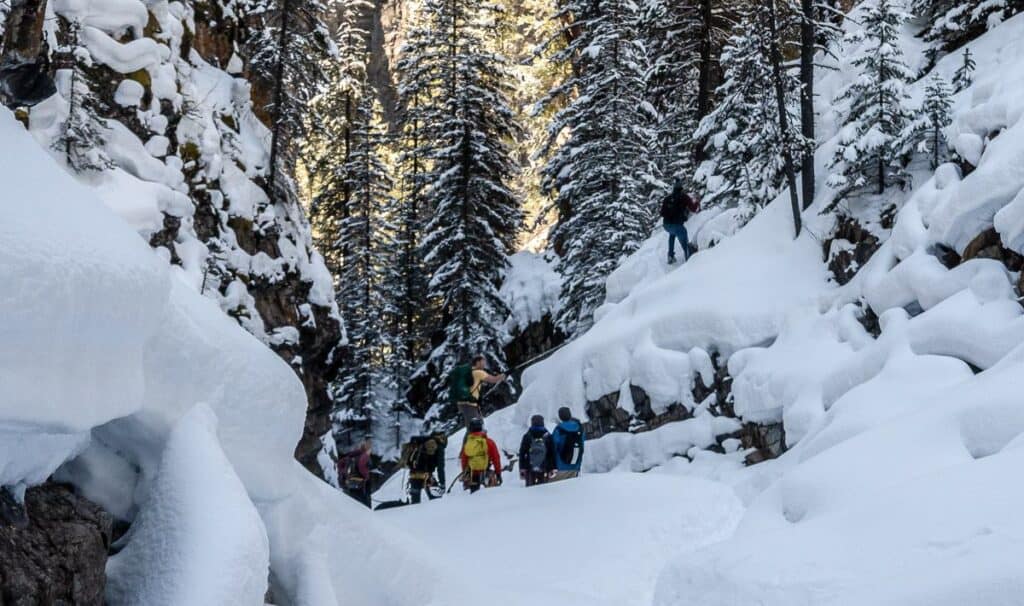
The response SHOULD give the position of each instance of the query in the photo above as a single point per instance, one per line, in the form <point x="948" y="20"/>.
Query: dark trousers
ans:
<point x="475" y="480"/>
<point x="677" y="231"/>
<point x="469" y="412"/>
<point x="416" y="487"/>
<point x="534" y="478"/>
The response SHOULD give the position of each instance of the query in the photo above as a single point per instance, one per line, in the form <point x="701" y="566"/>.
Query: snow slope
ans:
<point x="898" y="487"/>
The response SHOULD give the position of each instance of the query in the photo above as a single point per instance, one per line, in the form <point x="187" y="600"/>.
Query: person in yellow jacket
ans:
<point x="479" y="455"/>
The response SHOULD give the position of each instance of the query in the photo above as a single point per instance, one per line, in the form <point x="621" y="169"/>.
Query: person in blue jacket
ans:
<point x="568" y="441"/>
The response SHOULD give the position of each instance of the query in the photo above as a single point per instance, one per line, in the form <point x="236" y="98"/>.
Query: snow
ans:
<point x="531" y="289"/>
<point x="181" y="550"/>
<point x="129" y="93"/>
<point x="594" y="541"/>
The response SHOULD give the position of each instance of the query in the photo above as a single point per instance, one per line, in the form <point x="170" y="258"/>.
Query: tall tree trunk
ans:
<point x="775" y="54"/>
<point x="807" y="45"/>
<point x="704" y="73"/>
<point x="275" y="134"/>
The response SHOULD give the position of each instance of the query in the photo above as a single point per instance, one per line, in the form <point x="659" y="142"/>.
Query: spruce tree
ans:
<point x="964" y="75"/>
<point x="744" y="155"/>
<point x="869" y="151"/>
<point x="288" y="51"/>
<point x="672" y="30"/>
<point x="925" y="134"/>
<point x="474" y="218"/>
<point x="82" y="134"/>
<point x="951" y="23"/>
<point x="600" y="166"/>
<point x="366" y="289"/>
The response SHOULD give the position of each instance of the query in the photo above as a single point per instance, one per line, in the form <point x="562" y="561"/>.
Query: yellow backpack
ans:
<point x="476" y="452"/>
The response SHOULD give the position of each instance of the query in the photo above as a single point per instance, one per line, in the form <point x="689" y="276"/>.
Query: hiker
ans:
<point x="675" y="210"/>
<point x="354" y="472"/>
<point x="479" y="454"/>
<point x="568" y="440"/>
<point x="464" y="385"/>
<point x="424" y="459"/>
<point x="536" y="453"/>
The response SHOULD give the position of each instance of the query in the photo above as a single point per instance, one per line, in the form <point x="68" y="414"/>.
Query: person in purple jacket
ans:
<point x="354" y="472"/>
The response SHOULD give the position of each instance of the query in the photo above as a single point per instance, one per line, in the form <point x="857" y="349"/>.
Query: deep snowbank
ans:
<point x="107" y="349"/>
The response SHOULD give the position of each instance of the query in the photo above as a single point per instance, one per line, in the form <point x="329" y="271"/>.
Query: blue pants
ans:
<point x="677" y="230"/>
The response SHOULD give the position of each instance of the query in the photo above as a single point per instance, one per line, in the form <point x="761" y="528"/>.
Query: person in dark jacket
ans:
<point x="568" y="440"/>
<point x="354" y="472"/>
<point x="426" y="459"/>
<point x="675" y="210"/>
<point x="536" y="453"/>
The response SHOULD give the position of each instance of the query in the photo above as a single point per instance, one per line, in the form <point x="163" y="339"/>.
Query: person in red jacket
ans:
<point x="479" y="456"/>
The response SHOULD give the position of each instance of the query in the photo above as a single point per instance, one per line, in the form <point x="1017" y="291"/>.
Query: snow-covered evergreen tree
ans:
<point x="289" y="51"/>
<point x="951" y="23"/>
<point x="869" y="152"/>
<point x="601" y="169"/>
<point x="82" y="135"/>
<point x="328" y="144"/>
<point x="366" y="288"/>
<point x="744" y="164"/>
<point x="925" y="134"/>
<point x="671" y="29"/>
<point x="474" y="216"/>
<point x="964" y="75"/>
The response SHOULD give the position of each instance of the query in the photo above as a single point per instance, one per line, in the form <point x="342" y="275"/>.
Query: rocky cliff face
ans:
<point x="184" y="126"/>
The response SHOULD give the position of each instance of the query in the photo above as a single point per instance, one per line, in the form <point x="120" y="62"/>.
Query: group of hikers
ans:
<point x="544" y="456"/>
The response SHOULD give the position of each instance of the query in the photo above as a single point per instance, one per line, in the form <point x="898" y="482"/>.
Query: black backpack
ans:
<point x="538" y="453"/>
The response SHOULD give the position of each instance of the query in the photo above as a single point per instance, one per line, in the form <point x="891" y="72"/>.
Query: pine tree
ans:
<point x="600" y="167"/>
<point x="925" y="134"/>
<point x="672" y="29"/>
<point x="366" y="289"/>
<point x="952" y="23"/>
<point x="964" y="75"/>
<point x="474" y="217"/>
<point x="868" y="153"/>
<point x="744" y="165"/>
<point x="288" y="51"/>
<point x="83" y="133"/>
<point x="327" y="147"/>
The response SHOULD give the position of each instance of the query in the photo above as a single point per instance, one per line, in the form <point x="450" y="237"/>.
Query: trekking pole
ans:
<point x="457" y="478"/>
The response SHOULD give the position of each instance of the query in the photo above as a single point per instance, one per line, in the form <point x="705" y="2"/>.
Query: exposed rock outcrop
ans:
<point x="60" y="553"/>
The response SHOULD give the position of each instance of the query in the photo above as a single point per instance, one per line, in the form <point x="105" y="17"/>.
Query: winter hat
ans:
<point x="476" y="425"/>
<point x="564" y="414"/>
<point x="536" y="421"/>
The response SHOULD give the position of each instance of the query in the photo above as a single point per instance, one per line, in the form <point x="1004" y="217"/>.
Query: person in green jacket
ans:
<point x="465" y="383"/>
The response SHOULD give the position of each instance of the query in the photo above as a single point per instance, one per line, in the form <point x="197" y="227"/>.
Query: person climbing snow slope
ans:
<point x="536" y="453"/>
<point x="479" y="457"/>
<point x="464" y="384"/>
<point x="568" y="440"/>
<point x="675" y="211"/>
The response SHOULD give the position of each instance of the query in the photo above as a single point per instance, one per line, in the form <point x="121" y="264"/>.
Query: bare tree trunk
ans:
<point x="704" y="73"/>
<point x="807" y="45"/>
<point x="775" y="54"/>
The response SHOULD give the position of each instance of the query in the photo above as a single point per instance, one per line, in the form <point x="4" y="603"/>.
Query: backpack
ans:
<point x="475" y="450"/>
<point x="460" y="384"/>
<point x="538" y="452"/>
<point x="421" y="453"/>
<point x="352" y="480"/>
<point x="666" y="207"/>
<point x="567" y="448"/>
